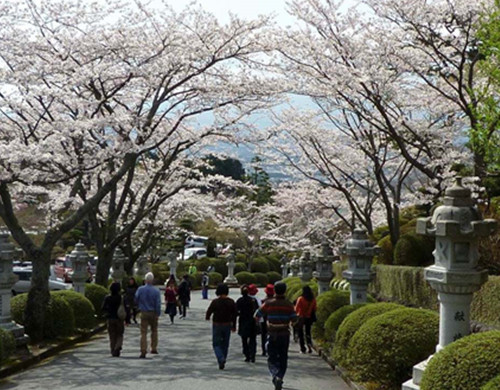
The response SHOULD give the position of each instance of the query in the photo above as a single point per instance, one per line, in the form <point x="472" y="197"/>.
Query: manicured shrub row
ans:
<point x="493" y="384"/>
<point x="7" y="344"/>
<point x="486" y="302"/>
<point x="414" y="250"/>
<point x="273" y="277"/>
<point x="386" y="347"/>
<point x="327" y="303"/>
<point x="96" y="294"/>
<point x="245" y="277"/>
<point x="336" y="318"/>
<point x="83" y="309"/>
<point x="467" y="364"/>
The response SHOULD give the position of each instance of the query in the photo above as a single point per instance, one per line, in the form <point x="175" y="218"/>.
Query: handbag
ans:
<point x="121" y="313"/>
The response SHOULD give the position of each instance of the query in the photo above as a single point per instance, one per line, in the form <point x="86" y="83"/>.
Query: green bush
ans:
<point x="466" y="364"/>
<point x="352" y="323"/>
<point x="17" y="307"/>
<point x="273" y="277"/>
<point x="387" y="252"/>
<point x="405" y="285"/>
<point x="335" y="319"/>
<point x="239" y="267"/>
<point x="327" y="303"/>
<point x="83" y="310"/>
<point x="292" y="289"/>
<point x="274" y="263"/>
<point x="215" y="278"/>
<point x="241" y="258"/>
<point x="260" y="265"/>
<point x="60" y="320"/>
<point x="385" y="349"/>
<point x="245" y="277"/>
<point x="261" y="279"/>
<point x="161" y="271"/>
<point x="414" y="250"/>
<point x="494" y="384"/>
<point x="7" y="344"/>
<point x="202" y="264"/>
<point x="196" y="279"/>
<point x="96" y="293"/>
<point x="220" y="266"/>
<point x="486" y="303"/>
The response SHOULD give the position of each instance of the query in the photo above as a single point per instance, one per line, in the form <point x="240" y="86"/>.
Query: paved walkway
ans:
<point x="186" y="361"/>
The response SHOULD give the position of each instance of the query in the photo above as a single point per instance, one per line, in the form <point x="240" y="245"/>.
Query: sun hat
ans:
<point x="252" y="289"/>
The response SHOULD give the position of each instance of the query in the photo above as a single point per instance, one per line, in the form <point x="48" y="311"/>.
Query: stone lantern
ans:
<point x="172" y="262"/>
<point x="230" y="278"/>
<point x="119" y="260"/>
<point x="294" y="267"/>
<point x="7" y="280"/>
<point x="456" y="225"/>
<point x="142" y="266"/>
<point x="79" y="258"/>
<point x="305" y="267"/>
<point x="323" y="271"/>
<point x="285" y="265"/>
<point x="359" y="251"/>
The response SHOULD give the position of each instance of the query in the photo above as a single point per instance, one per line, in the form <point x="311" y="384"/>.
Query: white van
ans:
<point x="196" y="242"/>
<point x="197" y="253"/>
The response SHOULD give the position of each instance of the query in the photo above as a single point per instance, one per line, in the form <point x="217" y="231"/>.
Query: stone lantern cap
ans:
<point x="79" y="252"/>
<point x="457" y="217"/>
<point x="359" y="245"/>
<point x="7" y="249"/>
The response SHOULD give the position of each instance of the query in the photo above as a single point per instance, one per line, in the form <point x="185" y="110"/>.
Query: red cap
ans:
<point x="252" y="289"/>
<point x="269" y="290"/>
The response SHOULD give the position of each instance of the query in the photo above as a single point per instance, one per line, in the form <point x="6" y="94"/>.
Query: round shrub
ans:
<point x="83" y="310"/>
<point x="274" y="264"/>
<point x="17" y="307"/>
<point x="327" y="303"/>
<point x="96" y="293"/>
<point x="385" y="349"/>
<point x="220" y="266"/>
<point x="273" y="277"/>
<point x="335" y="319"/>
<point x="291" y="279"/>
<point x="215" y="278"/>
<point x="261" y="279"/>
<point x="239" y="267"/>
<point x="7" y="344"/>
<point x="292" y="289"/>
<point x="494" y="384"/>
<point x="202" y="264"/>
<point x="260" y="265"/>
<point x="387" y="252"/>
<point x="60" y="320"/>
<point x="352" y="323"/>
<point x="413" y="250"/>
<point x="466" y="364"/>
<point x="245" y="277"/>
<point x="195" y="279"/>
<point x="241" y="258"/>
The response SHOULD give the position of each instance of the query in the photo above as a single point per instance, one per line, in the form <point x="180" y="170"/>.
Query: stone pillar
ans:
<point x="323" y="271"/>
<point x="80" y="263"/>
<point x="142" y="266"/>
<point x="359" y="251"/>
<point x="284" y="267"/>
<point x="456" y="225"/>
<point x="230" y="278"/>
<point x="294" y="267"/>
<point x="305" y="267"/>
<point x="172" y="262"/>
<point x="7" y="280"/>
<point x="119" y="260"/>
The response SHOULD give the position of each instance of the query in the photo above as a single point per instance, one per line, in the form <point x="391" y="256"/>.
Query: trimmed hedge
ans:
<point x="327" y="303"/>
<point x="273" y="277"/>
<point x="260" y="265"/>
<point x="239" y="267"/>
<point x="494" y="384"/>
<point x="385" y="349"/>
<point x="215" y="278"/>
<point x="387" y="252"/>
<point x="83" y="309"/>
<point x="7" y="344"/>
<point x="335" y="319"/>
<point x="486" y="303"/>
<point x="246" y="278"/>
<point x="220" y="266"/>
<point x="261" y="279"/>
<point x="17" y="306"/>
<point x="352" y="323"/>
<point x="202" y="264"/>
<point x="414" y="250"/>
<point x="466" y="364"/>
<point x="96" y="293"/>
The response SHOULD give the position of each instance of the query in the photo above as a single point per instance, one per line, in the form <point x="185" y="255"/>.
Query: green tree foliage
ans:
<point x="260" y="178"/>
<point x="228" y="167"/>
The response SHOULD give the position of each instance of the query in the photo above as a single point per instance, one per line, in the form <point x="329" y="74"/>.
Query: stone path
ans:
<point x="186" y="361"/>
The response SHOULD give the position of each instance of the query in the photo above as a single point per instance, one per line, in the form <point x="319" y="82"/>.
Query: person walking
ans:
<point x="129" y="301"/>
<point x="247" y="327"/>
<point x="149" y="301"/>
<point x="171" y="300"/>
<point x="192" y="269"/>
<point x="269" y="290"/>
<point x="223" y="310"/>
<point x="280" y="313"/>
<point x="115" y="324"/>
<point x="204" y="285"/>
<point x="184" y="294"/>
<point x="305" y="309"/>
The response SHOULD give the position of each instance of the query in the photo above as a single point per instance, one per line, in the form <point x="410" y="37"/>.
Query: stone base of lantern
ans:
<point x="17" y="331"/>
<point x="323" y="286"/>
<point x="418" y="372"/>
<point x="231" y="281"/>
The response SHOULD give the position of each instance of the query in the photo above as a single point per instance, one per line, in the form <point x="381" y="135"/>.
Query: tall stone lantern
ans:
<point x="294" y="267"/>
<point x="7" y="280"/>
<point x="305" y="267"/>
<point x="142" y="266"/>
<point x="230" y="278"/>
<point x="80" y="262"/>
<point x="359" y="251"/>
<point x="285" y="265"/>
<point x="119" y="260"/>
<point x="323" y="271"/>
<point x="172" y="262"/>
<point x="456" y="225"/>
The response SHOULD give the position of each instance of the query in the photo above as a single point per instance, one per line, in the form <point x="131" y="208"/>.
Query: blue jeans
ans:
<point x="277" y="352"/>
<point x="220" y="341"/>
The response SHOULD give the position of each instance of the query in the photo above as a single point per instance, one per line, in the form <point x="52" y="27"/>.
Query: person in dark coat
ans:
<point x="247" y="327"/>
<point x="184" y="294"/>
<point x="116" y="327"/>
<point x="129" y="301"/>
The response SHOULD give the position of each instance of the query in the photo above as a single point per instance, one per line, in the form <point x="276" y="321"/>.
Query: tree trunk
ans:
<point x="38" y="296"/>
<point x="103" y="266"/>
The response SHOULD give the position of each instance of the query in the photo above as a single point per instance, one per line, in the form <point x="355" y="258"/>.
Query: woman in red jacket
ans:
<point x="306" y="311"/>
